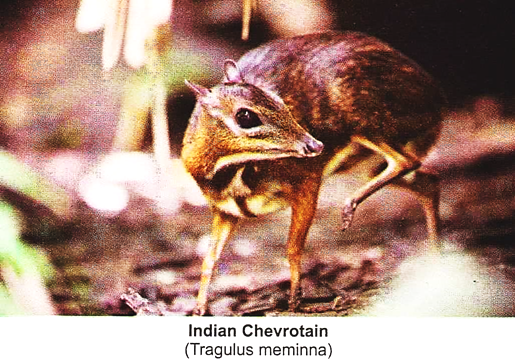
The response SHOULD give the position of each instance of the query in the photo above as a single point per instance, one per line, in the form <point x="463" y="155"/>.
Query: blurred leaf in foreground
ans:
<point x="20" y="178"/>
<point x="22" y="267"/>
<point x="23" y="270"/>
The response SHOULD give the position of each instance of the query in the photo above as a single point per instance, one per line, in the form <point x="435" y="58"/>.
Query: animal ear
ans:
<point x="232" y="72"/>
<point x="197" y="89"/>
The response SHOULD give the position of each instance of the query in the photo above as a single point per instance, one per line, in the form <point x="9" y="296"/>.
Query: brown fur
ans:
<point x="350" y="91"/>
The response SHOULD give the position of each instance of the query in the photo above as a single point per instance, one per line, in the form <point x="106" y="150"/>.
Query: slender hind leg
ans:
<point x="398" y="165"/>
<point x="426" y="187"/>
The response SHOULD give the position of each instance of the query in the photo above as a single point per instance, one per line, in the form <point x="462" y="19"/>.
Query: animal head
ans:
<point x="237" y="122"/>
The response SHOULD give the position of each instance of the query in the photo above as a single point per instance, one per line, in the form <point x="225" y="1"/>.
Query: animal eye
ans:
<point x="247" y="119"/>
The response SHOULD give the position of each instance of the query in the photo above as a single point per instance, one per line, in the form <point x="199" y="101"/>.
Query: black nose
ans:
<point x="313" y="146"/>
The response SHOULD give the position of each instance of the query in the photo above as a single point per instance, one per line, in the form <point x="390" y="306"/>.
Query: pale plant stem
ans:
<point x="247" y="13"/>
<point x="28" y="291"/>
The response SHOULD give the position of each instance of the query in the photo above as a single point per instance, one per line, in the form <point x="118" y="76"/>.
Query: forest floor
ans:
<point x="380" y="266"/>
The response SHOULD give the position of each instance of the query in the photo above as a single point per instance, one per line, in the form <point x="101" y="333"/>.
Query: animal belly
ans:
<point x="264" y="204"/>
<point x="252" y="206"/>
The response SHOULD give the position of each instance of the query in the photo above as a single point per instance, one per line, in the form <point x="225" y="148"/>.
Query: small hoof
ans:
<point x="348" y="214"/>
<point x="199" y="311"/>
<point x="294" y="301"/>
<point x="293" y="305"/>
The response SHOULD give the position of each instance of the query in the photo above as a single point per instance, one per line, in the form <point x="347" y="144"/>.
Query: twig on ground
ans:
<point x="142" y="306"/>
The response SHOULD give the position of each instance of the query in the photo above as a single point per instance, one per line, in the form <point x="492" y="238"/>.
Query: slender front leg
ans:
<point x="398" y="165"/>
<point x="304" y="206"/>
<point x="426" y="187"/>
<point x="223" y="226"/>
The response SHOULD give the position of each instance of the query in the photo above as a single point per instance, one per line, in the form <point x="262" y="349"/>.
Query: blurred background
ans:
<point x="91" y="204"/>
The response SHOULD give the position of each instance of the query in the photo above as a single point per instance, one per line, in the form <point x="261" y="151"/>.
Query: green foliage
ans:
<point x="7" y="304"/>
<point x="169" y="71"/>
<point x="18" y="177"/>
<point x="16" y="256"/>
<point x="175" y="67"/>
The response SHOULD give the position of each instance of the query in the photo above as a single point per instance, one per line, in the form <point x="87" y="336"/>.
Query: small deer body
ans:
<point x="293" y="111"/>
